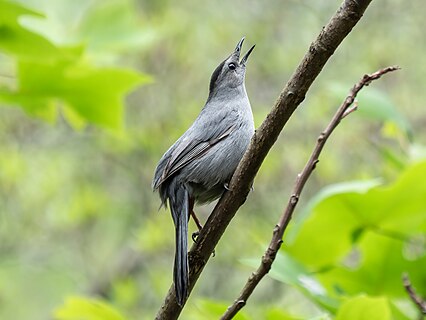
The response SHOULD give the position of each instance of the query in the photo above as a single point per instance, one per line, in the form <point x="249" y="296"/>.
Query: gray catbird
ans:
<point x="198" y="166"/>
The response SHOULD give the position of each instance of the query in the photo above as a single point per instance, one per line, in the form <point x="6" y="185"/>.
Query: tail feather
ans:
<point x="179" y="206"/>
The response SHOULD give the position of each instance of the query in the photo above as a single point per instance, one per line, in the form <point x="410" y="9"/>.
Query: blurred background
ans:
<point x="92" y="94"/>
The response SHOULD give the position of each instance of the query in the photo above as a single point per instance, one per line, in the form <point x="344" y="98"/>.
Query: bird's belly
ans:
<point x="202" y="195"/>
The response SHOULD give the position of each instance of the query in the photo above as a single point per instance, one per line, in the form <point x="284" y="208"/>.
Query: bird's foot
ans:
<point x="194" y="237"/>
<point x="226" y="186"/>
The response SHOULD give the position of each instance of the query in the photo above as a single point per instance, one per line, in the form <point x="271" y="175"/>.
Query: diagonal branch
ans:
<point x="268" y="258"/>
<point x="330" y="37"/>
<point x="420" y="302"/>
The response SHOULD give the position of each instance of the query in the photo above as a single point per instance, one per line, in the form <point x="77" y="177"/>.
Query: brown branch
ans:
<point x="268" y="258"/>
<point x="420" y="302"/>
<point x="330" y="37"/>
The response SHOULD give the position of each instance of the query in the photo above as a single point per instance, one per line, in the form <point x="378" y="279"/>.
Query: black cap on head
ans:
<point x="215" y="75"/>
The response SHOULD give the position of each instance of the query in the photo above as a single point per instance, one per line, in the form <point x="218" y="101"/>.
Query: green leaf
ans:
<point x="379" y="271"/>
<point x="94" y="94"/>
<point x="356" y="187"/>
<point x="395" y="208"/>
<point x="76" y="121"/>
<point x="211" y="310"/>
<point x="18" y="41"/>
<point x="329" y="191"/>
<point x="35" y="105"/>
<point x="286" y="269"/>
<point x="107" y="28"/>
<point x="407" y="311"/>
<point x="365" y="308"/>
<point x="77" y="308"/>
<point x="49" y="77"/>
<point x="363" y="241"/>
<point x="399" y="207"/>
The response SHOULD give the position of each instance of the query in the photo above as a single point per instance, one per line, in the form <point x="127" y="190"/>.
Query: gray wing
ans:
<point x="189" y="150"/>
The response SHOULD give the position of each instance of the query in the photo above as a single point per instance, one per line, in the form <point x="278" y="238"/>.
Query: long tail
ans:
<point x="179" y="205"/>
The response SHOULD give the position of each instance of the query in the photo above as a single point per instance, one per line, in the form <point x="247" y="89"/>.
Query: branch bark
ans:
<point x="420" y="302"/>
<point x="330" y="37"/>
<point x="268" y="258"/>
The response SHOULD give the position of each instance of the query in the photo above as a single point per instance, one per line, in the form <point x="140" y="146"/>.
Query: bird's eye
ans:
<point x="232" y="66"/>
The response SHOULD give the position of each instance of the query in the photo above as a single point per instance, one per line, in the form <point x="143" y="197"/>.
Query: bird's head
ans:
<point x="231" y="72"/>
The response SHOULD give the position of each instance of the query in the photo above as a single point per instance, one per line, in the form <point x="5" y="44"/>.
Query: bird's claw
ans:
<point x="194" y="237"/>
<point x="226" y="186"/>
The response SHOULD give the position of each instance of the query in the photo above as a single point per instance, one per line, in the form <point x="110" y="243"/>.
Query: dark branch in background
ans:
<point x="420" y="302"/>
<point x="268" y="258"/>
<point x="292" y="95"/>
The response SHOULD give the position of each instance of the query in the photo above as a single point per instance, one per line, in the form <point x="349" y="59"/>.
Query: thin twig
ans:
<point x="420" y="302"/>
<point x="353" y="108"/>
<point x="278" y="232"/>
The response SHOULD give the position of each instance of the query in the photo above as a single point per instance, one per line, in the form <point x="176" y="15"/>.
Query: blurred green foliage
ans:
<point x="48" y="76"/>
<point x="360" y="240"/>
<point x="90" y="309"/>
<point x="80" y="235"/>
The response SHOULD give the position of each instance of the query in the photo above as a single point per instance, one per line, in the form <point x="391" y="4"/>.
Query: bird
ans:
<point x="199" y="165"/>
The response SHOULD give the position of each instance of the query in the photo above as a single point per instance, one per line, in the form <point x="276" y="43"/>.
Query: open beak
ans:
<point x="237" y="51"/>
<point x="244" y="59"/>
